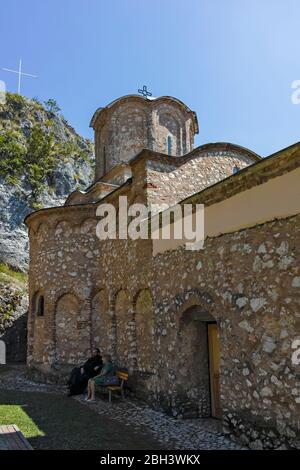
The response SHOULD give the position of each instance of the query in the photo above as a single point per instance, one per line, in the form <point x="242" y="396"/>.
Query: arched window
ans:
<point x="40" y="306"/>
<point x="169" y="145"/>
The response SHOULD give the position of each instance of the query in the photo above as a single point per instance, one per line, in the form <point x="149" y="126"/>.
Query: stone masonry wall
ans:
<point x="169" y="186"/>
<point x="247" y="281"/>
<point x="133" y="123"/>
<point x="151" y="314"/>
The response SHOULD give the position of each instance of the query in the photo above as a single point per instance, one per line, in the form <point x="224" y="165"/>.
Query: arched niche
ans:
<point x="124" y="327"/>
<point x="101" y="329"/>
<point x="130" y="132"/>
<point x="144" y="319"/>
<point x="72" y="331"/>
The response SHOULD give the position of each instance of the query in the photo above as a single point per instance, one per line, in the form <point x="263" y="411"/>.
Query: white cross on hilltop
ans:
<point x="20" y="73"/>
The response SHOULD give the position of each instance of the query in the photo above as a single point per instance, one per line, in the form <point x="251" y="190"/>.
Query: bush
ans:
<point x="4" y="269"/>
<point x="12" y="153"/>
<point x="15" y="100"/>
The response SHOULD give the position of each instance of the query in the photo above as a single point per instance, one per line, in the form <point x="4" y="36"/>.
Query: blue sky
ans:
<point x="231" y="61"/>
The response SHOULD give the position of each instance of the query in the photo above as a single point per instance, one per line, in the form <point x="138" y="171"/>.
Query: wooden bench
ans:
<point x="123" y="377"/>
<point x="11" y="438"/>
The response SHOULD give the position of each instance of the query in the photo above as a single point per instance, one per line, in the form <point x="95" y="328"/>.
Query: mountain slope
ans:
<point x="42" y="159"/>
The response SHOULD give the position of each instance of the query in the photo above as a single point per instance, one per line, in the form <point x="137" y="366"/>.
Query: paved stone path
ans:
<point x="172" y="433"/>
<point x="194" y="434"/>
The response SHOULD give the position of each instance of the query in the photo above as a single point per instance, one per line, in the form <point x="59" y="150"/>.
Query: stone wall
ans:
<point x="151" y="313"/>
<point x="170" y="185"/>
<point x="65" y="280"/>
<point x="246" y="281"/>
<point x="133" y="123"/>
<point x="157" y="178"/>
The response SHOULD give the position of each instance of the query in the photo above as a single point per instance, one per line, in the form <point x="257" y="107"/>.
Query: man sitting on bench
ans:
<point x="106" y="377"/>
<point x="80" y="375"/>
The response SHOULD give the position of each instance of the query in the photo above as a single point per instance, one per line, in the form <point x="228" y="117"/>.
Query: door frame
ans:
<point x="216" y="411"/>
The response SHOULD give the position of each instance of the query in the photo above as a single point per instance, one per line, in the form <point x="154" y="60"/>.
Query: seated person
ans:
<point x="80" y="375"/>
<point x="106" y="377"/>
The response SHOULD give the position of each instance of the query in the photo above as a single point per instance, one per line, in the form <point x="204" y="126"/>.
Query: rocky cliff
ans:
<point x="42" y="159"/>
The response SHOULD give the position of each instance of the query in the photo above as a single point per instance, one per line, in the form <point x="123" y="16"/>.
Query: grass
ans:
<point x="51" y="421"/>
<point x="7" y="271"/>
<point x="14" y="414"/>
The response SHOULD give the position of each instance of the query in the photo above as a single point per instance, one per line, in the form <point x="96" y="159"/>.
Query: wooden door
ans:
<point x="214" y="369"/>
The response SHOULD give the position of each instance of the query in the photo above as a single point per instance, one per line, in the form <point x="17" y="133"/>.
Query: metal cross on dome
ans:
<point x="144" y="91"/>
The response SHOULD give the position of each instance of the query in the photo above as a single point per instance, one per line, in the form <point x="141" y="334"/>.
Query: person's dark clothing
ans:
<point x="78" y="381"/>
<point x="90" y="364"/>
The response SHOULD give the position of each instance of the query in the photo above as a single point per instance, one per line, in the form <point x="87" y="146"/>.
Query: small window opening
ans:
<point x="169" y="145"/>
<point x="40" y="307"/>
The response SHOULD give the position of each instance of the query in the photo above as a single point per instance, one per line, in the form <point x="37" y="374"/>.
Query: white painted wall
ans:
<point x="2" y="352"/>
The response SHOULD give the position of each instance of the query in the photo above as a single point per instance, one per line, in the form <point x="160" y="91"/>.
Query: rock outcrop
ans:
<point x="24" y="184"/>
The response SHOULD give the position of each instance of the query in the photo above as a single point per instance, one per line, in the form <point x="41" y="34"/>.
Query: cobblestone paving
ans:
<point x="194" y="434"/>
<point x="172" y="433"/>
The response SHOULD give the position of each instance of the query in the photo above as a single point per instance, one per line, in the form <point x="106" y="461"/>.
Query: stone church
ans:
<point x="202" y="333"/>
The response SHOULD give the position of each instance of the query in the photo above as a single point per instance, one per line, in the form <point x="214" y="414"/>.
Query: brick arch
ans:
<point x="195" y="297"/>
<point x="174" y="107"/>
<point x="69" y="290"/>
<point x="135" y="108"/>
<point x="72" y="331"/>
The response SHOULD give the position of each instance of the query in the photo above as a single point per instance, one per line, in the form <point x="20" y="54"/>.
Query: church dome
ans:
<point x="133" y="122"/>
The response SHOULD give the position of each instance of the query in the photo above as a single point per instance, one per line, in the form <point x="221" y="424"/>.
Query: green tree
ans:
<point x="52" y="106"/>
